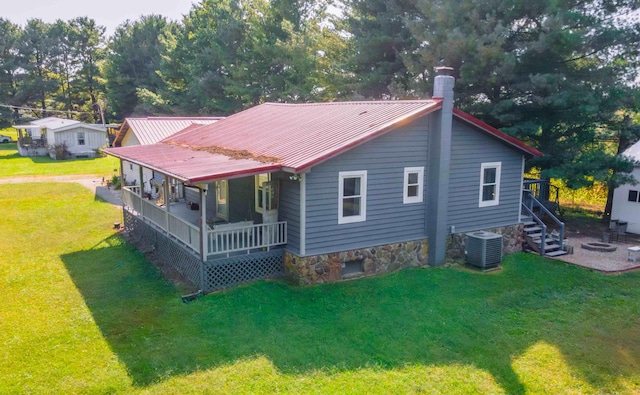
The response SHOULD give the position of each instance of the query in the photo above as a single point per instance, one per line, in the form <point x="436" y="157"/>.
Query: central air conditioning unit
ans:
<point x="483" y="249"/>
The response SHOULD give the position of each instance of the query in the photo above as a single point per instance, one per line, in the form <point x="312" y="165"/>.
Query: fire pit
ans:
<point x="598" y="246"/>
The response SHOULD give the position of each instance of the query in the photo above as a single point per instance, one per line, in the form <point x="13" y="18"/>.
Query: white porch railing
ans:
<point x="173" y="225"/>
<point x="223" y="239"/>
<point x="245" y="236"/>
<point x="187" y="233"/>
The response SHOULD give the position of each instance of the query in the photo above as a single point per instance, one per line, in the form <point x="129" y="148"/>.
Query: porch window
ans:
<point x="80" y="138"/>
<point x="413" y="185"/>
<point x="352" y="196"/>
<point x="261" y="179"/>
<point x="490" y="184"/>
<point x="633" y="196"/>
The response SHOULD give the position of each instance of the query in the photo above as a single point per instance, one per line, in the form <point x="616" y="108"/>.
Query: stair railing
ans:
<point x="529" y="203"/>
<point x="543" y="232"/>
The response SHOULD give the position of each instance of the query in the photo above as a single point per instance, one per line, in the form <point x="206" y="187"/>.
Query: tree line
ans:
<point x="560" y="75"/>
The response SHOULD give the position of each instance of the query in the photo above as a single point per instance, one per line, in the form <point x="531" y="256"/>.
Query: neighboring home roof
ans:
<point x="293" y="137"/>
<point x="150" y="130"/>
<point x="58" y="125"/>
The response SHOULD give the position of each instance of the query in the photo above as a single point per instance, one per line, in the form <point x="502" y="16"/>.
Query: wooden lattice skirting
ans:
<point x="218" y="273"/>
<point x="228" y="272"/>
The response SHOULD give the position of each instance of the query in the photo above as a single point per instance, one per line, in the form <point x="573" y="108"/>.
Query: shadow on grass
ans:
<point x="424" y="317"/>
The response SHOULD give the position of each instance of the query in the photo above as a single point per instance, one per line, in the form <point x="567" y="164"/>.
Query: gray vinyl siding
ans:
<point x="192" y="195"/>
<point x="469" y="149"/>
<point x="388" y="220"/>
<point x="289" y="210"/>
<point x="241" y="196"/>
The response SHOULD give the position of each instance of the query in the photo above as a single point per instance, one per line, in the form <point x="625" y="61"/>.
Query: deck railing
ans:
<point x="246" y="236"/>
<point x="187" y="233"/>
<point x="223" y="239"/>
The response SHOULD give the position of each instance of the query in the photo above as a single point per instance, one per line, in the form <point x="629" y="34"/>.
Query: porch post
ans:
<point x="122" y="183"/>
<point x="166" y="202"/>
<point x="204" y="235"/>
<point x="140" y="173"/>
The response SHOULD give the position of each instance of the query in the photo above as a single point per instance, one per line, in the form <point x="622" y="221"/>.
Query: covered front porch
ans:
<point x="202" y="229"/>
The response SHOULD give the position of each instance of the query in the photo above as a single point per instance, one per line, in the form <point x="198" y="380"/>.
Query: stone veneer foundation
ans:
<point x="324" y="268"/>
<point x="512" y="239"/>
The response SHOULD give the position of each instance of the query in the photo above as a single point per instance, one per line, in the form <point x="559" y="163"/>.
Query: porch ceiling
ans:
<point x="188" y="165"/>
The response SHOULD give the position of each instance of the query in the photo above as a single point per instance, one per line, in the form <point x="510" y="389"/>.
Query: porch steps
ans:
<point x="533" y="238"/>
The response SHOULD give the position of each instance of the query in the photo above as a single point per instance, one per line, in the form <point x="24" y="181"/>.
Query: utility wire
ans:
<point x="45" y="110"/>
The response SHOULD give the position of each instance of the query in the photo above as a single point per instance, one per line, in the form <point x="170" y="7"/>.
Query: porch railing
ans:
<point x="241" y="236"/>
<point x="223" y="239"/>
<point x="173" y="225"/>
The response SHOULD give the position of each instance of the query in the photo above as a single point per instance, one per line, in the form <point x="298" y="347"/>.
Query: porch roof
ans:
<point x="192" y="166"/>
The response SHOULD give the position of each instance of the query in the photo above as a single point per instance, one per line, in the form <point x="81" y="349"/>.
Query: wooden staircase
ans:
<point x="533" y="240"/>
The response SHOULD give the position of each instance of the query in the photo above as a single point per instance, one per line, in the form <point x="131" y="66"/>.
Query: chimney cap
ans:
<point x="444" y="70"/>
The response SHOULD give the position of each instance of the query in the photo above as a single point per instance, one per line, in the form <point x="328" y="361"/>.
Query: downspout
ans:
<point x="439" y="168"/>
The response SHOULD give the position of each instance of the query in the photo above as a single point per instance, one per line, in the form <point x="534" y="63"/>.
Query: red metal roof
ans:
<point x="301" y="135"/>
<point x="150" y="130"/>
<point x="188" y="165"/>
<point x="272" y="136"/>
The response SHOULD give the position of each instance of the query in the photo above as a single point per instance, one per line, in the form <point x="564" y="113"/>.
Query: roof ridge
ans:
<point x="366" y="102"/>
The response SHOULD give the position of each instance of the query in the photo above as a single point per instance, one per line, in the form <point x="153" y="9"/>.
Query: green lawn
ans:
<point x="14" y="165"/>
<point x="83" y="312"/>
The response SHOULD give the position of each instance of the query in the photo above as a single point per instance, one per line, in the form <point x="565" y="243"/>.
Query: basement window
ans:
<point x="353" y="266"/>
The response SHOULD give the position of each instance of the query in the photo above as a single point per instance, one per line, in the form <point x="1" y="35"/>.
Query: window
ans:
<point x="633" y="196"/>
<point x="261" y="179"/>
<point x="490" y="184"/>
<point x="352" y="196"/>
<point x="80" y="138"/>
<point x="413" y="185"/>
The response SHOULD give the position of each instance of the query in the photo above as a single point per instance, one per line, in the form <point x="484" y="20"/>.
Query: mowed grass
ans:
<point x="83" y="312"/>
<point x="14" y="165"/>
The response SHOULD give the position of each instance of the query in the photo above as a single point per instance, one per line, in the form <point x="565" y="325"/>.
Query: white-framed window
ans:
<point x="352" y="196"/>
<point x="413" y="185"/>
<point x="634" y="196"/>
<point x="490" y="184"/>
<point x="259" y="191"/>
<point x="80" y="138"/>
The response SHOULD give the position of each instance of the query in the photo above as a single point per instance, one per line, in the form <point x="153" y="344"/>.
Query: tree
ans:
<point x="133" y="63"/>
<point x="9" y="68"/>
<point x="37" y="84"/>
<point x="88" y="52"/>
<point x="200" y="57"/>
<point x="380" y="39"/>
<point x="551" y="73"/>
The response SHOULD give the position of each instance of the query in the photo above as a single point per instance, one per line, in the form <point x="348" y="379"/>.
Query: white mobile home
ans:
<point x="61" y="138"/>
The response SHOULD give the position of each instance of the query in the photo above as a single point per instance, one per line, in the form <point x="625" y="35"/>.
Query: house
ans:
<point x="150" y="130"/>
<point x="626" y="198"/>
<point x="328" y="191"/>
<point x="60" y="138"/>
